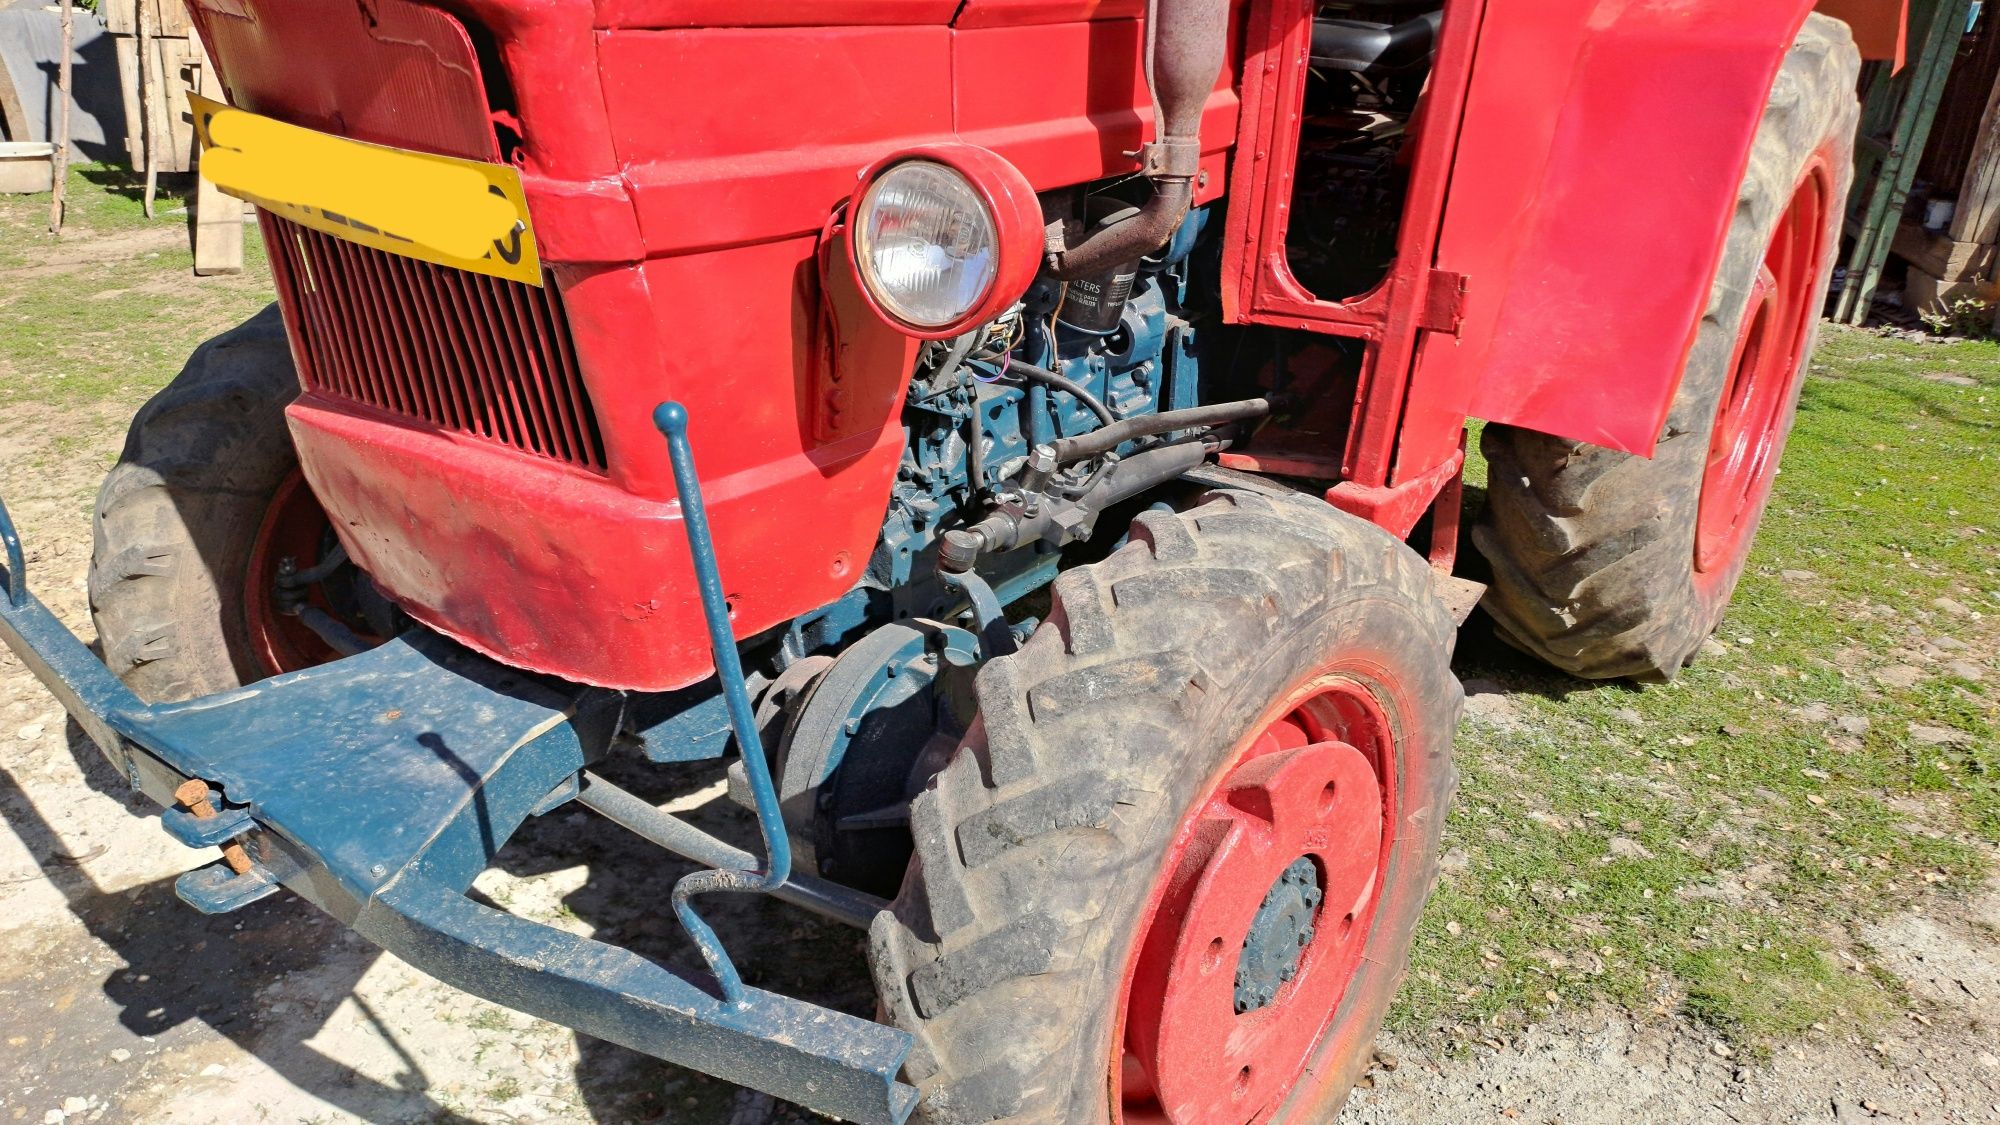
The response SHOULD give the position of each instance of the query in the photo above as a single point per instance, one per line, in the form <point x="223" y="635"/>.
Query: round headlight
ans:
<point x="925" y="244"/>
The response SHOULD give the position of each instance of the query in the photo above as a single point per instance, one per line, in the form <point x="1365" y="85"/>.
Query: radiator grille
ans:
<point x="462" y="351"/>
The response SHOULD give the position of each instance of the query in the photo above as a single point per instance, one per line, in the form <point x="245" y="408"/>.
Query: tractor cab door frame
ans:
<point x="1575" y="171"/>
<point x="1414" y="298"/>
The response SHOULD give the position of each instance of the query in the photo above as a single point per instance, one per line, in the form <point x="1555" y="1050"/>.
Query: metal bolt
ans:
<point x="378" y="871"/>
<point x="194" y="794"/>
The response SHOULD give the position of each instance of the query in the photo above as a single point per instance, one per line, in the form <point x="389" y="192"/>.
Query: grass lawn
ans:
<point x="1714" y="844"/>
<point x="108" y="311"/>
<point x="1711" y="846"/>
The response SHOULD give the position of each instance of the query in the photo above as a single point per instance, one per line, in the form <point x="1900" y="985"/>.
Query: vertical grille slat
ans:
<point x="561" y="416"/>
<point x="422" y="392"/>
<point x="361" y="299"/>
<point x="549" y="314"/>
<point x="464" y="352"/>
<point x="503" y="310"/>
<point x="358" y="340"/>
<point x="299" y="285"/>
<point x="424" y="326"/>
<point x="506" y="362"/>
<point x="473" y="337"/>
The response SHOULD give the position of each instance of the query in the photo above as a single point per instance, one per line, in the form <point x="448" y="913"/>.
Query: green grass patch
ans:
<point x="1710" y="846"/>
<point x="109" y="310"/>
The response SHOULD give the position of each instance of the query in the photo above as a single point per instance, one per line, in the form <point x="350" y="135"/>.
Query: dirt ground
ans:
<point x="118" y="1003"/>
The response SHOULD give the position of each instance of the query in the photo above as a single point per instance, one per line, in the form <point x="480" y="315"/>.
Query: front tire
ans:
<point x="1608" y="565"/>
<point x="189" y="522"/>
<point x="1241" y="723"/>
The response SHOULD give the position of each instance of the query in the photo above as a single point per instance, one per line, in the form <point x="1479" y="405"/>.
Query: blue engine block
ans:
<point x="1148" y="364"/>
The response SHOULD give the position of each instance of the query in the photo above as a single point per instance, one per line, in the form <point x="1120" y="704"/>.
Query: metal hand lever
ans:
<point x="671" y="418"/>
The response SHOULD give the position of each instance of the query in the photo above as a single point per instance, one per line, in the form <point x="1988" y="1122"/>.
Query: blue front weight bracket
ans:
<point x="377" y="787"/>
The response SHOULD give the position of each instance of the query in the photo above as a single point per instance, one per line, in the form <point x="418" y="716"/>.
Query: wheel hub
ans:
<point x="294" y="528"/>
<point x="1260" y="926"/>
<point x="1278" y="937"/>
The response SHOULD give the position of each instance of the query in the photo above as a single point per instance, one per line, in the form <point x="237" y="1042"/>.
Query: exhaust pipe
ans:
<point x="1184" y="45"/>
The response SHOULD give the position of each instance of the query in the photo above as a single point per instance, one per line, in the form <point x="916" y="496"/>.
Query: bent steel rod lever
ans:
<point x="672" y="419"/>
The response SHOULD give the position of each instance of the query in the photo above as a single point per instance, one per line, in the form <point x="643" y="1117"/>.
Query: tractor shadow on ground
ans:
<point x="182" y="969"/>
<point x="624" y="901"/>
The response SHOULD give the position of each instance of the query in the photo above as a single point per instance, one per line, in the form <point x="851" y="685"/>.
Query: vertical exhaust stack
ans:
<point x="1184" y="45"/>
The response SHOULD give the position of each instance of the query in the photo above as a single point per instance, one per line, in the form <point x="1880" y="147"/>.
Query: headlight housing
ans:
<point x="925" y="244"/>
<point x="943" y="238"/>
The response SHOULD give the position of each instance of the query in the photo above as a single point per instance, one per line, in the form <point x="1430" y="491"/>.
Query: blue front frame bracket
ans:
<point x="377" y="787"/>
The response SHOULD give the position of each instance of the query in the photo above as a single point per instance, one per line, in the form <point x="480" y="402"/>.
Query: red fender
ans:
<point x="1596" y="175"/>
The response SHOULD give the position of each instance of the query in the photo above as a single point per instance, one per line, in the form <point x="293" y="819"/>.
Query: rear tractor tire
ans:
<point x="193" y="521"/>
<point x="1172" y="872"/>
<point x="1609" y="565"/>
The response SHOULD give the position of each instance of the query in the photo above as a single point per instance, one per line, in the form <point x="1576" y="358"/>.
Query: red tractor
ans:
<point x="1027" y="434"/>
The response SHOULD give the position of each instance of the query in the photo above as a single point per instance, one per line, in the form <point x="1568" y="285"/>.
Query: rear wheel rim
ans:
<point x="1765" y="369"/>
<point x="1260" y="915"/>
<point x="294" y="527"/>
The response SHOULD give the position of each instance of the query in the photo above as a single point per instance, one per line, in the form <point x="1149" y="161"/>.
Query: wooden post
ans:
<point x="1905" y="104"/>
<point x="1978" y="216"/>
<point x="61" y="170"/>
<point x="218" y="218"/>
<point x="149" y="67"/>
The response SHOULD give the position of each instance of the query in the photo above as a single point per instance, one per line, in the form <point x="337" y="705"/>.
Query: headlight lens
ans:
<point x="926" y="247"/>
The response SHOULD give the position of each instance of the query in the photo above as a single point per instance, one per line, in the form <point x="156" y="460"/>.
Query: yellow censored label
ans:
<point x="460" y="213"/>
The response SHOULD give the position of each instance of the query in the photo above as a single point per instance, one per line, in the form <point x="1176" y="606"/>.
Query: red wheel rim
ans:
<point x="295" y="527"/>
<point x="1259" y="915"/>
<point x="1765" y="370"/>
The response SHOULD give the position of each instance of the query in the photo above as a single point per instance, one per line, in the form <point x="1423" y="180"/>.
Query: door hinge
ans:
<point x="1444" y="302"/>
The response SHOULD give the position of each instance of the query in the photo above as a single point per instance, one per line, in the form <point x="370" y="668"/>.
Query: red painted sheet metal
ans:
<point x="390" y="72"/>
<point x="771" y="125"/>
<point x="1020" y="13"/>
<point x="1597" y="170"/>
<point x="1082" y="126"/>
<point x="770" y="13"/>
<point x="460" y="351"/>
<point x="687" y="261"/>
<point x="556" y="570"/>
